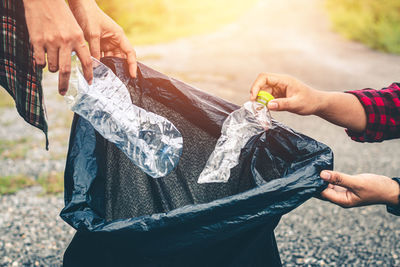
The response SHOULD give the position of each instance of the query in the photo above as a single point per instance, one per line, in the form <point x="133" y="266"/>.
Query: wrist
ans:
<point x="322" y="103"/>
<point x="393" y="196"/>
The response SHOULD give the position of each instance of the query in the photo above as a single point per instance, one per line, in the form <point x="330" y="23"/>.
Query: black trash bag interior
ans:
<point x="127" y="218"/>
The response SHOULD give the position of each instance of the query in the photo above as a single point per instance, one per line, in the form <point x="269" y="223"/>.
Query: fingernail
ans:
<point x="272" y="105"/>
<point x="90" y="81"/>
<point x="325" y="175"/>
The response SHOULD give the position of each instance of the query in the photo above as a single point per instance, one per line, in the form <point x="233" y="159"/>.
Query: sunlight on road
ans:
<point x="155" y="21"/>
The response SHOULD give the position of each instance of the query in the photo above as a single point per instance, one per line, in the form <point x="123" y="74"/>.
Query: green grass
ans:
<point x="52" y="183"/>
<point x="11" y="184"/>
<point x="375" y="23"/>
<point x="14" y="149"/>
<point x="154" y="21"/>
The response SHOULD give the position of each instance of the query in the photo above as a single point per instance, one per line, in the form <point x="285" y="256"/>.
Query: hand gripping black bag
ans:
<point x="124" y="217"/>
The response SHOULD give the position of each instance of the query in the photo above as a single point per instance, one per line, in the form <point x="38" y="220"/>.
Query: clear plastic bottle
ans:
<point x="152" y="142"/>
<point x="242" y="124"/>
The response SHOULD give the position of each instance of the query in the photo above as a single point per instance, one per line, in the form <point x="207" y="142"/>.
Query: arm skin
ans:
<point x="341" y="109"/>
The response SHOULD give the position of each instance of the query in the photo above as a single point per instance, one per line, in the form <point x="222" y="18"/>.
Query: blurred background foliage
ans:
<point x="375" y="23"/>
<point x="154" y="21"/>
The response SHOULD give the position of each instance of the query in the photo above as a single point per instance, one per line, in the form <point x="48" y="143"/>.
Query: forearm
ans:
<point x="42" y="3"/>
<point x="393" y="193"/>
<point x="342" y="109"/>
<point x="80" y="1"/>
<point x="75" y="3"/>
<point x="31" y="1"/>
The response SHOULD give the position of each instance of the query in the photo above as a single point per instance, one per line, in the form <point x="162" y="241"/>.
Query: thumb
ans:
<point x="338" y="178"/>
<point x="280" y="104"/>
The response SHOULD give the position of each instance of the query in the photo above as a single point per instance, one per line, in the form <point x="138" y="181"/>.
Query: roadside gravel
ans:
<point x="32" y="233"/>
<point x="320" y="234"/>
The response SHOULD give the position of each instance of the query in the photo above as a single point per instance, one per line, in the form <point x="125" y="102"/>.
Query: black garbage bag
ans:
<point x="124" y="217"/>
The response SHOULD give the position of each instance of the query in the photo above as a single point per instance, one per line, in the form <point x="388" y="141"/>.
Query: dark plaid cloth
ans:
<point x="18" y="74"/>
<point x="383" y="114"/>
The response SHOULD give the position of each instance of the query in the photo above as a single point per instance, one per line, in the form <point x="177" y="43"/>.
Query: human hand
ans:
<point x="105" y="37"/>
<point x="294" y="96"/>
<point x="359" y="190"/>
<point x="54" y="30"/>
<point x="290" y="94"/>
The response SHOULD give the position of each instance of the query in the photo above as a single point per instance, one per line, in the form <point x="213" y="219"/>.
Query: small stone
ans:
<point x="309" y="260"/>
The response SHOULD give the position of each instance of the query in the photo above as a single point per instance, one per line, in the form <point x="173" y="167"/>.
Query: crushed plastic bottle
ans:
<point x="242" y="124"/>
<point x="152" y="142"/>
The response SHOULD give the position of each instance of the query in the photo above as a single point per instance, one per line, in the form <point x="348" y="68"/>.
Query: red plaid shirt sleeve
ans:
<point x="382" y="108"/>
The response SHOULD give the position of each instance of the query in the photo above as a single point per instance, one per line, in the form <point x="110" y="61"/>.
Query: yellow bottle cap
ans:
<point x="264" y="97"/>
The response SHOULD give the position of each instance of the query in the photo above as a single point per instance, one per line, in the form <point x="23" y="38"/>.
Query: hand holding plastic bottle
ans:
<point x="294" y="96"/>
<point x="343" y="110"/>
<point x="291" y="95"/>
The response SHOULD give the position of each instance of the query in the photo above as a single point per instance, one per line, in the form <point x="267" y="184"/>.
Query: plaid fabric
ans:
<point x="383" y="114"/>
<point x="18" y="74"/>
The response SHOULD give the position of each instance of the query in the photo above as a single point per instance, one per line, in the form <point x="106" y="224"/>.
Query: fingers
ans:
<point x="119" y="53"/>
<point x="83" y="54"/>
<point x="258" y="84"/>
<point x="341" y="198"/>
<point x="341" y="179"/>
<point x="130" y="55"/>
<point x="52" y="58"/>
<point x="39" y="56"/>
<point x="267" y="82"/>
<point x="280" y="104"/>
<point x="115" y="53"/>
<point x="94" y="44"/>
<point x="65" y="70"/>
<point x="109" y="53"/>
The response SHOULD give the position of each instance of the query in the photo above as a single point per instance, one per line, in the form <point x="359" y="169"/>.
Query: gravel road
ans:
<point x="32" y="233"/>
<point x="285" y="36"/>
